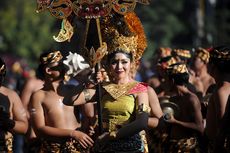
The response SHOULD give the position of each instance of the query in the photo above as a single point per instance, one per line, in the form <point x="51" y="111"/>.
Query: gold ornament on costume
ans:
<point x="124" y="33"/>
<point x="3" y="69"/>
<point x="60" y="8"/>
<point x="136" y="27"/>
<point x="182" y="53"/>
<point x="89" y="9"/>
<point x="203" y="54"/>
<point x="126" y="6"/>
<point x="121" y="42"/>
<point x="164" y="52"/>
<point x="65" y="33"/>
<point x="177" y="69"/>
<point x="167" y="61"/>
<point x="92" y="56"/>
<point x="225" y="56"/>
<point x="123" y="7"/>
<point x="42" y="5"/>
<point x="144" y="108"/>
<point x="116" y="90"/>
<point x="52" y="57"/>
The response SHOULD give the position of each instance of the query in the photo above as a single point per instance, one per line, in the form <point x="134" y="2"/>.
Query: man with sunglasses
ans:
<point x="55" y="123"/>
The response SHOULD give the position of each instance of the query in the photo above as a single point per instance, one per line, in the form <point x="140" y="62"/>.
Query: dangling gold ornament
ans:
<point x="65" y="33"/>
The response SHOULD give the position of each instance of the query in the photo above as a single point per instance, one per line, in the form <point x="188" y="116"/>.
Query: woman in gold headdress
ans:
<point x="125" y="103"/>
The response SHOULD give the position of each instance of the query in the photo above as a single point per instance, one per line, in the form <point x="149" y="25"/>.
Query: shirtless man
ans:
<point x="200" y="67"/>
<point x="32" y="84"/>
<point x="54" y="122"/>
<point x="187" y="125"/>
<point x="12" y="114"/>
<point x="219" y="69"/>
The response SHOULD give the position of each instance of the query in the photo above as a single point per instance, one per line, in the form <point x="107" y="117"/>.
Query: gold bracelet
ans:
<point x="86" y="95"/>
<point x="113" y="134"/>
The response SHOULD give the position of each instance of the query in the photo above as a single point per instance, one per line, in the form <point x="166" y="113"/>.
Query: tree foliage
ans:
<point x="167" y="23"/>
<point x="24" y="32"/>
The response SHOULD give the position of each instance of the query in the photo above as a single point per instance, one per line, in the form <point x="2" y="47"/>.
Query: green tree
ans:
<point x="24" y="32"/>
<point x="162" y="23"/>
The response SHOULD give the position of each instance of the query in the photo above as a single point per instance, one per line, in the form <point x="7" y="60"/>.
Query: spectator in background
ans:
<point x="32" y="84"/>
<point x="199" y="66"/>
<point x="12" y="114"/>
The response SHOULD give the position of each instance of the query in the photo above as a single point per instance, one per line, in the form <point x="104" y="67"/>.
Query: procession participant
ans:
<point x="124" y="101"/>
<point x="187" y="126"/>
<point x="201" y="59"/>
<point x="55" y="123"/>
<point x="12" y="114"/>
<point x="217" y="107"/>
<point x="31" y="85"/>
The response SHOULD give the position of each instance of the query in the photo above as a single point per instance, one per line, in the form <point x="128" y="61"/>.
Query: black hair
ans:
<point x="41" y="67"/>
<point x="180" y="79"/>
<point x="111" y="55"/>
<point x="40" y="72"/>
<point x="221" y="63"/>
<point x="165" y="59"/>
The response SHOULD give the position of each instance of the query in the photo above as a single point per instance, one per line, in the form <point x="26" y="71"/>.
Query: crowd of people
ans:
<point x="183" y="107"/>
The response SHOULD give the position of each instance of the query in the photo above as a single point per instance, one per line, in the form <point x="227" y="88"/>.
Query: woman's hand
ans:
<point x="102" y="76"/>
<point x="84" y="140"/>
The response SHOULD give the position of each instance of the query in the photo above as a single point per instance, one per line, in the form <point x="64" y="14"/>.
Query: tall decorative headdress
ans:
<point x="124" y="33"/>
<point x="203" y="54"/>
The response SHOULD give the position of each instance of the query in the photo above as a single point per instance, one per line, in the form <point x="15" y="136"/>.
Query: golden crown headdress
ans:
<point x="124" y="33"/>
<point x="52" y="57"/>
<point x="125" y="43"/>
<point x="203" y="54"/>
